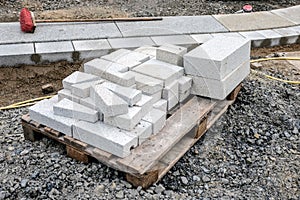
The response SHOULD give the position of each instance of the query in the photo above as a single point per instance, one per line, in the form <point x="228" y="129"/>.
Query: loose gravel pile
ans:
<point x="253" y="152"/>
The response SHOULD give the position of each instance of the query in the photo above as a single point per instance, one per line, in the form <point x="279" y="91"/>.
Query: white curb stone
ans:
<point x="172" y="101"/>
<point x="160" y="70"/>
<point x="55" y="51"/>
<point x="157" y="118"/>
<point x="147" y="84"/>
<point x="78" y="77"/>
<point x="185" y="83"/>
<point x="90" y="103"/>
<point x="42" y="113"/>
<point x="145" y="104"/>
<point x="130" y="95"/>
<point x="68" y="108"/>
<point x="105" y="137"/>
<point x="217" y="58"/>
<point x="83" y="89"/>
<point x="156" y="96"/>
<point x="290" y="34"/>
<point x="126" y="121"/>
<point x="256" y="38"/>
<point x="171" y="54"/>
<point x="149" y="50"/>
<point x="219" y="89"/>
<point x="201" y="38"/>
<point x="130" y="43"/>
<point x="143" y="130"/>
<point x="108" y="102"/>
<point x="14" y="54"/>
<point x="273" y="36"/>
<point x="181" y="40"/>
<point x="65" y="93"/>
<point x="184" y="95"/>
<point x="170" y="91"/>
<point x="113" y="72"/>
<point x="161" y="105"/>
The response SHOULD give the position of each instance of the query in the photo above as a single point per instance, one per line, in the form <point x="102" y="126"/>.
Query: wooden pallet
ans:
<point x="150" y="161"/>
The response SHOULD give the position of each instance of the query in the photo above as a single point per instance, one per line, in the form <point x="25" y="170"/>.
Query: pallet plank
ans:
<point x="180" y="123"/>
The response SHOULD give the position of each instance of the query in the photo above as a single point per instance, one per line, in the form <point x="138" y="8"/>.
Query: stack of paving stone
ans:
<point x="120" y="99"/>
<point x="218" y="66"/>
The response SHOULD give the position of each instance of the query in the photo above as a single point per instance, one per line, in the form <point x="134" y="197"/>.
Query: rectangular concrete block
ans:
<point x="172" y="101"/>
<point x="42" y="112"/>
<point x="78" y="77"/>
<point x="231" y="34"/>
<point x="109" y="103"/>
<point x="181" y="40"/>
<point x="201" y="38"/>
<point x="68" y="108"/>
<point x="290" y="34"/>
<point x="171" y="54"/>
<point x="105" y="137"/>
<point x="156" y="96"/>
<point x="170" y="91"/>
<point x="130" y="43"/>
<point x="91" y="48"/>
<point x="160" y="70"/>
<point x="161" y="105"/>
<point x="219" y="89"/>
<point x="90" y="103"/>
<point x="130" y="95"/>
<point x="147" y="84"/>
<point x="65" y="93"/>
<point x="126" y="121"/>
<point x="217" y="58"/>
<point x="145" y="104"/>
<point x="143" y="130"/>
<point x="257" y="39"/>
<point x="184" y="95"/>
<point x="16" y="54"/>
<point x="83" y="89"/>
<point x="55" y="51"/>
<point x="184" y="84"/>
<point x="157" y="118"/>
<point x="113" y="72"/>
<point x="148" y="50"/>
<point x="273" y="36"/>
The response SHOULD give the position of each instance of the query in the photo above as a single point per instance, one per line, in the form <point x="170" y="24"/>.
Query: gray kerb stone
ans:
<point x="15" y="54"/>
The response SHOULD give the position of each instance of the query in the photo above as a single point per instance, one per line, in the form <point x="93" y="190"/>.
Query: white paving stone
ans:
<point x="113" y="72"/>
<point x="149" y="50"/>
<point x="184" y="95"/>
<point x="145" y="104"/>
<point x="130" y="95"/>
<point x="105" y="137"/>
<point x="65" y="93"/>
<point x="217" y="58"/>
<point x="126" y="121"/>
<point x="109" y="103"/>
<point x="161" y="105"/>
<point x="185" y="83"/>
<point x="83" y="89"/>
<point x="157" y="118"/>
<point x="42" y="112"/>
<point x="171" y="54"/>
<point x="78" y="77"/>
<point x="68" y="108"/>
<point x="160" y="70"/>
<point x="219" y="89"/>
<point x="256" y="38"/>
<point x="147" y="84"/>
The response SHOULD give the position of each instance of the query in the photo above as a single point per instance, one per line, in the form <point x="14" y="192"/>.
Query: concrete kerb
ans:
<point x="71" y="46"/>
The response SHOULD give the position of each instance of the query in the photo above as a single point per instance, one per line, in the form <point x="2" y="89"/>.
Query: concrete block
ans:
<point x="170" y="90"/>
<point x="65" y="93"/>
<point x="231" y="34"/>
<point x="143" y="130"/>
<point x="217" y="58"/>
<point x="130" y="43"/>
<point x="257" y="39"/>
<point x="219" y="89"/>
<point x="128" y="58"/>
<point x="145" y="104"/>
<point x="55" y="51"/>
<point x="272" y="36"/>
<point x="161" y="105"/>
<point x="78" y="77"/>
<point x="149" y="50"/>
<point x="184" y="84"/>
<point x="126" y="121"/>
<point x="16" y="54"/>
<point x="130" y="95"/>
<point x="289" y="35"/>
<point x="105" y="137"/>
<point x="181" y="40"/>
<point x="171" y="54"/>
<point x="147" y="84"/>
<point x="91" y="48"/>
<point x="90" y="103"/>
<point x="83" y="89"/>
<point x="172" y="101"/>
<point x="157" y="118"/>
<point x="201" y="38"/>
<point x="160" y="70"/>
<point x="113" y="72"/>
<point x="109" y="103"/>
<point x="42" y="112"/>
<point x="156" y="96"/>
<point x="184" y="95"/>
<point x="68" y="108"/>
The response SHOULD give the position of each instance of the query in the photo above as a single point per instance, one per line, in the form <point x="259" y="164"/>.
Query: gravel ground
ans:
<point x="253" y="152"/>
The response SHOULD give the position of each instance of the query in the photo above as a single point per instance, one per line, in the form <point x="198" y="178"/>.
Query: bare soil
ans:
<point x="25" y="82"/>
